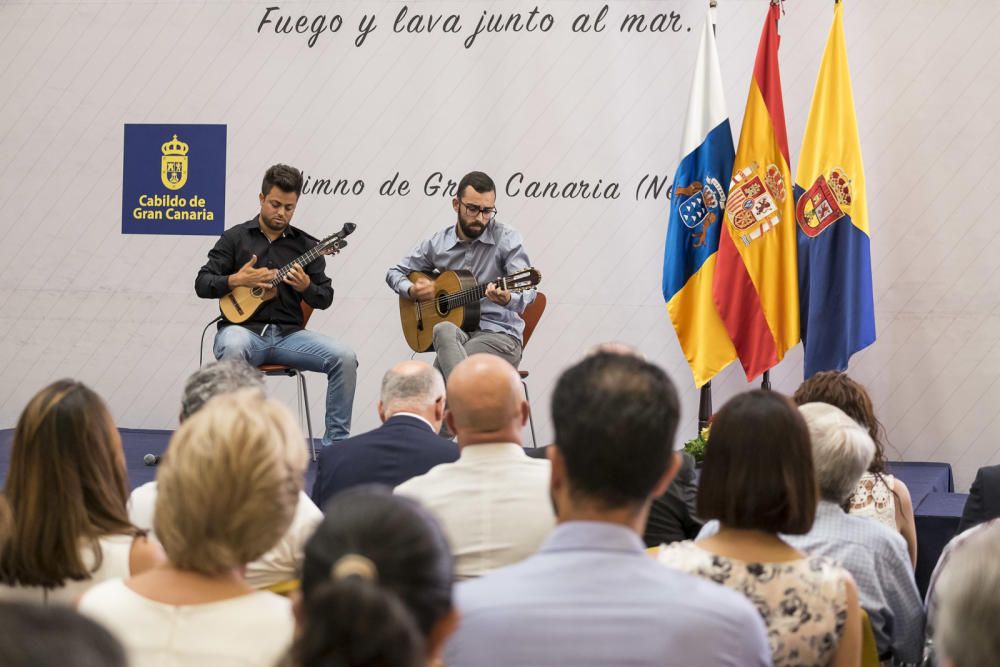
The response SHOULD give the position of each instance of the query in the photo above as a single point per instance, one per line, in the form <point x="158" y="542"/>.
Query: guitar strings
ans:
<point x="303" y="259"/>
<point x="450" y="299"/>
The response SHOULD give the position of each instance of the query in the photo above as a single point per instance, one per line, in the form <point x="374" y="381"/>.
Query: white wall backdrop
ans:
<point x="119" y="312"/>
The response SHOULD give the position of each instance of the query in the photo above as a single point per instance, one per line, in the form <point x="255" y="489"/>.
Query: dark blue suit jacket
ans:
<point x="401" y="448"/>
<point x="983" y="503"/>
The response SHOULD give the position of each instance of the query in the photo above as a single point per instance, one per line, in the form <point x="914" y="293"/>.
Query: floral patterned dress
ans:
<point x="803" y="602"/>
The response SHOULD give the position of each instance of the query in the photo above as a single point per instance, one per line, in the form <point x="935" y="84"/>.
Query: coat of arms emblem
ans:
<point x="699" y="208"/>
<point x="822" y="204"/>
<point x="754" y="200"/>
<point x="174" y="164"/>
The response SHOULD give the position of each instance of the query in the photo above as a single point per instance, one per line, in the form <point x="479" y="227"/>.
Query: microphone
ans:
<point x="346" y="230"/>
<point x="151" y="459"/>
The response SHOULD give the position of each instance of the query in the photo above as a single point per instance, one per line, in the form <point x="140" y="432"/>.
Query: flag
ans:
<point x="698" y="197"/>
<point x="756" y="279"/>
<point x="835" y="267"/>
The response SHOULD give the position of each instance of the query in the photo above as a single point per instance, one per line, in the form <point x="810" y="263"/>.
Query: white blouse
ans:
<point x="873" y="498"/>
<point x="115" y="553"/>
<point x="246" y="631"/>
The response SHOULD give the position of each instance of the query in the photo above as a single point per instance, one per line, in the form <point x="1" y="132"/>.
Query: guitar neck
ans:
<point x="302" y="260"/>
<point x="467" y="296"/>
<point x="471" y="294"/>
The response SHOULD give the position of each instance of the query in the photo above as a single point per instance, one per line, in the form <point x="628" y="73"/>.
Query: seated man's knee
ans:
<point x="444" y="329"/>
<point x="232" y="343"/>
<point x="341" y="357"/>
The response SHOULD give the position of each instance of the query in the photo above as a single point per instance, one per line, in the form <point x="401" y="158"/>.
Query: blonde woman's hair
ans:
<point x="229" y="483"/>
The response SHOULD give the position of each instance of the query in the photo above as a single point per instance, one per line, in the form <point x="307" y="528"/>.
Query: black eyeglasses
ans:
<point x="474" y="210"/>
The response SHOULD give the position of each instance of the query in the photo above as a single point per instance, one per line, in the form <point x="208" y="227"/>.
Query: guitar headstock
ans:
<point x="331" y="245"/>
<point x="522" y="280"/>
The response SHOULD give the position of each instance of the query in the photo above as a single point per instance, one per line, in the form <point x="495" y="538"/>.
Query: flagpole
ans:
<point x="765" y="380"/>
<point x="705" y="400"/>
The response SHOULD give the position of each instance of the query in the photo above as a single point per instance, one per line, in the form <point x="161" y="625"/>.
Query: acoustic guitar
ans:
<point x="456" y="300"/>
<point x="240" y="304"/>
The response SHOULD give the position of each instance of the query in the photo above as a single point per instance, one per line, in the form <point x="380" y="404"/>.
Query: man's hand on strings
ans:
<point x="251" y="276"/>
<point x="497" y="295"/>
<point x="297" y="278"/>
<point x="422" y="290"/>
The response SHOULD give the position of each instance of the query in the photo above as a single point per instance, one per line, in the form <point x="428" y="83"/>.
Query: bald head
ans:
<point x="615" y="347"/>
<point x="414" y="387"/>
<point x="485" y="401"/>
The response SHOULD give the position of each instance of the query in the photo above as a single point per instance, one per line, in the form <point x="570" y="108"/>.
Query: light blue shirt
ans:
<point x="876" y="557"/>
<point x="593" y="596"/>
<point x="498" y="252"/>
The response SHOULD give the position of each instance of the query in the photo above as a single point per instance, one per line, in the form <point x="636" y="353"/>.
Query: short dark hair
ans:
<point x="615" y="417"/>
<point x="55" y="636"/>
<point x="479" y="182"/>
<point x="288" y="179"/>
<point x="410" y="585"/>
<point x="758" y="470"/>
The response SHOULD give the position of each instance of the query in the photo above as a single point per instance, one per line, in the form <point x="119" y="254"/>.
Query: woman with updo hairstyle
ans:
<point x="226" y="492"/>
<point x="65" y="525"/>
<point x="878" y="495"/>
<point x="376" y="585"/>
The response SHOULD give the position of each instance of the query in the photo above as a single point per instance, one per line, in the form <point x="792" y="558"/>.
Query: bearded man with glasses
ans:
<point x="489" y="250"/>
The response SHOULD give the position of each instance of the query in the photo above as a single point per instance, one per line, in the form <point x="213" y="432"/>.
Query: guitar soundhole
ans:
<point x="442" y="303"/>
<point x="257" y="291"/>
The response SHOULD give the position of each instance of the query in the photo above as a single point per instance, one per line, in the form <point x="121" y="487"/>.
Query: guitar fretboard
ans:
<point x="302" y="260"/>
<point x="466" y="296"/>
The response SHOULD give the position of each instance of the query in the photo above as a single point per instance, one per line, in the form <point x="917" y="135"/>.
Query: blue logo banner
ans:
<point x="174" y="179"/>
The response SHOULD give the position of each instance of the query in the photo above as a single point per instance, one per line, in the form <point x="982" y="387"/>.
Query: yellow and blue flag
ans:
<point x="837" y="312"/>
<point x="698" y="199"/>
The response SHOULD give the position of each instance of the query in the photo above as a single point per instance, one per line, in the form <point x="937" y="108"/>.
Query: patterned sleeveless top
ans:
<point x="803" y="602"/>
<point x="873" y="499"/>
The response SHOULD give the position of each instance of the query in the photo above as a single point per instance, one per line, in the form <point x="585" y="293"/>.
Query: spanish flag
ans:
<point x="835" y="265"/>
<point x="756" y="277"/>
<point x="698" y="197"/>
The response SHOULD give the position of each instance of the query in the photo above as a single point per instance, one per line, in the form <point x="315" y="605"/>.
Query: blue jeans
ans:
<point x="304" y="350"/>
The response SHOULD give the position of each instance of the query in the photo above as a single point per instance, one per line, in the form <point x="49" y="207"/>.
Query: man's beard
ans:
<point x="469" y="231"/>
<point x="270" y="224"/>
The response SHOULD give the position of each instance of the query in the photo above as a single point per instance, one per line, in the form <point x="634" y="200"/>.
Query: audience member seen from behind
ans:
<point x="411" y="408"/>
<point x="56" y="636"/>
<point x="878" y="495"/>
<point x="983" y="503"/>
<point x="227" y="491"/>
<point x="591" y="595"/>
<point x="66" y="491"/>
<point x="376" y="585"/>
<point x="757" y="481"/>
<point x="493" y="502"/>
<point x="968" y="603"/>
<point x="873" y="553"/>
<point x="280" y="565"/>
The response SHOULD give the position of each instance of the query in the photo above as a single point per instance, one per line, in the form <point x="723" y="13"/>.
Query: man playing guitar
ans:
<point x="250" y="255"/>
<point x="486" y="248"/>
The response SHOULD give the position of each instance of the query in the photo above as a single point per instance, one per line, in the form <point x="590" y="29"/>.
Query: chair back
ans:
<point x="307" y="312"/>
<point x="531" y="315"/>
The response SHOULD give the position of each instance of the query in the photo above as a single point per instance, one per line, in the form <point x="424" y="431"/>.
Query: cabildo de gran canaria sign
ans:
<point x="174" y="179"/>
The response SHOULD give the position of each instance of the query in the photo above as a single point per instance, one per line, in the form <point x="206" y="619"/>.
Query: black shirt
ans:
<point x="234" y="249"/>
